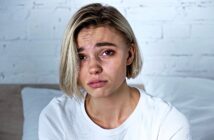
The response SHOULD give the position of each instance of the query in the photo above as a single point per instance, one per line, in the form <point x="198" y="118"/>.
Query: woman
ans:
<point x="99" y="52"/>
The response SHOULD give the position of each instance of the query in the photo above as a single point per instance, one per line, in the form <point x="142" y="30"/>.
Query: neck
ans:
<point x="111" y="111"/>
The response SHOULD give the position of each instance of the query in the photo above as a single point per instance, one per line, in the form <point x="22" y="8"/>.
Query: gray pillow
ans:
<point x="34" y="100"/>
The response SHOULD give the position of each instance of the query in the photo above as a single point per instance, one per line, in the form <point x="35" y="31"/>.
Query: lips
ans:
<point x="97" y="83"/>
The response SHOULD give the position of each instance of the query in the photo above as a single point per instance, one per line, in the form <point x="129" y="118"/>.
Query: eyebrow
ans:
<point x="99" y="44"/>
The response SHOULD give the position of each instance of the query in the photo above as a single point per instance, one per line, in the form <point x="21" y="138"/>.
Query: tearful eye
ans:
<point x="82" y="57"/>
<point x="108" y="52"/>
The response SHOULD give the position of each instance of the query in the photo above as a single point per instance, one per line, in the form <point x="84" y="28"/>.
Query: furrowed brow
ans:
<point x="100" y="44"/>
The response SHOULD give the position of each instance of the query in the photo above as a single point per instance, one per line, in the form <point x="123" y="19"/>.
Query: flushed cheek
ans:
<point x="82" y="77"/>
<point x="116" y="71"/>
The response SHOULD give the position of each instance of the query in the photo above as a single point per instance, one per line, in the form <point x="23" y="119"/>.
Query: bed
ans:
<point x="12" y="114"/>
<point x="21" y="104"/>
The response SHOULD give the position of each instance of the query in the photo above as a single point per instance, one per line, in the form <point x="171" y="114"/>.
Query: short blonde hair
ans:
<point x="94" y="14"/>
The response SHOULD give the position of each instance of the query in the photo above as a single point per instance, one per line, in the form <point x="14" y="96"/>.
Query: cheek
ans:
<point x="81" y="75"/>
<point x="117" y="68"/>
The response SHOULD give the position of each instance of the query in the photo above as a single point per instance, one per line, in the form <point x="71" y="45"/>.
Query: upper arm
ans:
<point x="48" y="127"/>
<point x="182" y="134"/>
<point x="175" y="126"/>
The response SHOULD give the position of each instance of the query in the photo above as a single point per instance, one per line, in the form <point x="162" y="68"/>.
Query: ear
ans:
<point x="131" y="54"/>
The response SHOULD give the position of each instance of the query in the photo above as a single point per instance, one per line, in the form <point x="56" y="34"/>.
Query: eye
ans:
<point x="108" y="52"/>
<point x="82" y="57"/>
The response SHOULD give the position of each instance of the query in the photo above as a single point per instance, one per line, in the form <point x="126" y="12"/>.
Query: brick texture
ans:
<point x="175" y="37"/>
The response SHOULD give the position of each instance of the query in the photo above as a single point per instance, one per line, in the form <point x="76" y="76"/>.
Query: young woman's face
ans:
<point x="104" y="56"/>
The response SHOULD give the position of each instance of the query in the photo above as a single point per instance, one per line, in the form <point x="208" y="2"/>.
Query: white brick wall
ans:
<point x="175" y="36"/>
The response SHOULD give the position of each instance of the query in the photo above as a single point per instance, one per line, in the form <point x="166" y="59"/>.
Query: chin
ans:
<point x="99" y="93"/>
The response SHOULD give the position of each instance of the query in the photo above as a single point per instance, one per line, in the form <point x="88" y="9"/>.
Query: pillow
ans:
<point x="194" y="97"/>
<point x="34" y="100"/>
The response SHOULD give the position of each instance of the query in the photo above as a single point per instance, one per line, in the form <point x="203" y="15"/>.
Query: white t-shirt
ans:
<point x="65" y="118"/>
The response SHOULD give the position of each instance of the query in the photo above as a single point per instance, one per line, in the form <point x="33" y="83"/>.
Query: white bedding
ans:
<point x="192" y="96"/>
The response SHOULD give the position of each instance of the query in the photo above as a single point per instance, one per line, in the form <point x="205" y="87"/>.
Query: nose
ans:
<point x="94" y="66"/>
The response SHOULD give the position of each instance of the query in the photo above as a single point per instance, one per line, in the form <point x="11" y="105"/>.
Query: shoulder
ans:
<point x="154" y="105"/>
<point x="166" y="118"/>
<point x="58" y="108"/>
<point x="161" y="108"/>
<point x="176" y="125"/>
<point x="55" y="117"/>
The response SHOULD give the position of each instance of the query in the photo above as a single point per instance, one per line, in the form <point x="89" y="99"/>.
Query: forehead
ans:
<point x="93" y="34"/>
